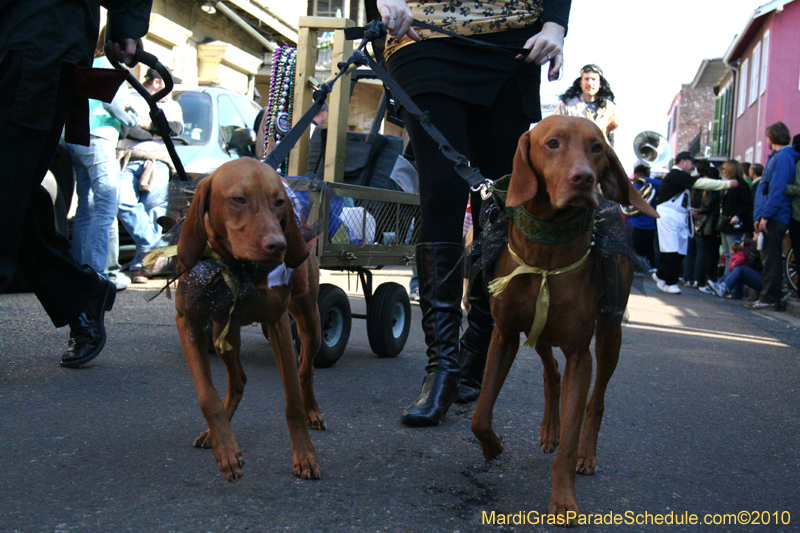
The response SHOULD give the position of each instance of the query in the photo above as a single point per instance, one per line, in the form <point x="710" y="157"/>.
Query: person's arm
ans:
<point x="128" y="21"/>
<point x="557" y="11"/>
<point x="708" y="184"/>
<point x="397" y="17"/>
<point x="782" y="174"/>
<point x="115" y="109"/>
<point x="612" y="120"/>
<point x="793" y="189"/>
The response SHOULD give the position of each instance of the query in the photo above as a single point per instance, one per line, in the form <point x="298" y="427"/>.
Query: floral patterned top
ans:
<point x="469" y="17"/>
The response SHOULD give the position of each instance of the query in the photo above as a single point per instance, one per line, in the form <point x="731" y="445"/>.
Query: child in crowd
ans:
<point x="740" y="273"/>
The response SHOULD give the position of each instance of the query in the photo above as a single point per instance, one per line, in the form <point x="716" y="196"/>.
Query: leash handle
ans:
<point x="157" y="116"/>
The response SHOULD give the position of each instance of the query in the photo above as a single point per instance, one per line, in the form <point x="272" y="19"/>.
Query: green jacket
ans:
<point x="793" y="190"/>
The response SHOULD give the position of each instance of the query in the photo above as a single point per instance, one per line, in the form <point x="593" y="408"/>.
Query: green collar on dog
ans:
<point x="539" y="231"/>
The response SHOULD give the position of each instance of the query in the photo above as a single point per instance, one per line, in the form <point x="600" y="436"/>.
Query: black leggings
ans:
<point x="488" y="136"/>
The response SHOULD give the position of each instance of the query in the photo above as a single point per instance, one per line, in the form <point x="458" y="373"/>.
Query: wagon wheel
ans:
<point x="335" y="320"/>
<point x="790" y="267"/>
<point x="388" y="320"/>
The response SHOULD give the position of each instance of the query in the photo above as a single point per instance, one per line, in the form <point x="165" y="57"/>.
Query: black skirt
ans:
<point x="447" y="65"/>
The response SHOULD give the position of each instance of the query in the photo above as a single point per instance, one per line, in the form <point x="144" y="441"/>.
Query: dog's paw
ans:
<point x="560" y="506"/>
<point x="548" y="439"/>
<point x="315" y="420"/>
<point x="492" y="446"/>
<point x="203" y="441"/>
<point x="230" y="460"/>
<point x="587" y="466"/>
<point x="306" y="465"/>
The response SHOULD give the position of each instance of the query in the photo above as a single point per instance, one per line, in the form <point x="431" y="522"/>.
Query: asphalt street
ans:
<point x="702" y="417"/>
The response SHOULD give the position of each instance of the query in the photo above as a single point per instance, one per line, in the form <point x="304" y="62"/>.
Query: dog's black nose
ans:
<point x="274" y="244"/>
<point x="582" y="177"/>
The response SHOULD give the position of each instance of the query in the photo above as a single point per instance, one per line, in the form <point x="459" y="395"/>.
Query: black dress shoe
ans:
<point x="87" y="333"/>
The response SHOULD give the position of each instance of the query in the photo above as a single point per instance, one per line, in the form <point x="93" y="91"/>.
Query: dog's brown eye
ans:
<point x="552" y="143"/>
<point x="279" y="202"/>
<point x="597" y="147"/>
<point x="238" y="199"/>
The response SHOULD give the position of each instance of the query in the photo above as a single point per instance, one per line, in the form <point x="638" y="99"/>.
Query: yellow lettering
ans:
<point x="536" y="519"/>
<point x="488" y="519"/>
<point x="629" y="518"/>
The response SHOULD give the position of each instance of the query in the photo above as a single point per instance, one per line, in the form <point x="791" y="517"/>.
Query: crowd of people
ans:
<point x="722" y="228"/>
<point x="122" y="176"/>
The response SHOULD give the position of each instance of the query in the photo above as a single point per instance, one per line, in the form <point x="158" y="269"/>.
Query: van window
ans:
<point x="197" y="120"/>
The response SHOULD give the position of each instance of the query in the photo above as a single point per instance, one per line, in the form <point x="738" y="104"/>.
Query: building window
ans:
<point x="764" y="57"/>
<point x="328" y="8"/>
<point x="755" y="72"/>
<point x="748" y="155"/>
<point x="742" y="87"/>
<point x="674" y="119"/>
<point x="722" y="122"/>
<point x="757" y="156"/>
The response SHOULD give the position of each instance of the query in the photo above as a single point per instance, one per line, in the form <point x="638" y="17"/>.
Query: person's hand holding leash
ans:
<point x="397" y="17"/>
<point x="122" y="51"/>
<point x="547" y="46"/>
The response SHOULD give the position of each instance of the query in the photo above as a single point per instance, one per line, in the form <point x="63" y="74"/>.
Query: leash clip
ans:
<point x="484" y="188"/>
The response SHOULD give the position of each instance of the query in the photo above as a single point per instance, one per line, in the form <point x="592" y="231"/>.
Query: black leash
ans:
<point x="157" y="116"/>
<point x="374" y="30"/>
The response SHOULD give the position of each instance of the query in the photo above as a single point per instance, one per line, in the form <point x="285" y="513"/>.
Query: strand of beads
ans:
<point x="281" y="99"/>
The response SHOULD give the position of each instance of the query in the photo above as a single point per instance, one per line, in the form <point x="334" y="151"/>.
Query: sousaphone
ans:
<point x="653" y="151"/>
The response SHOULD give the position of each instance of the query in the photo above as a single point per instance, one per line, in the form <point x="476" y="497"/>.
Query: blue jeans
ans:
<point x="97" y="186"/>
<point x="727" y="240"/>
<point x="139" y="210"/>
<point x="741" y="276"/>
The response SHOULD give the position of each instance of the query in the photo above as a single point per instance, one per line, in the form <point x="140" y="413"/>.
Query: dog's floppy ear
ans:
<point x="617" y="187"/>
<point x="614" y="182"/>
<point x="523" y="179"/>
<point x="296" y="248"/>
<point x="192" y="242"/>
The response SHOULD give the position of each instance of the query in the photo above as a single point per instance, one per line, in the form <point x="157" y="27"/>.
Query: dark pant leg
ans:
<point x="28" y="237"/>
<point x="670" y="269"/>
<point x="772" y="257"/>
<point x="699" y="268"/>
<point x="711" y="256"/>
<point x="688" y="262"/>
<point x="643" y="241"/>
<point x="794" y="236"/>
<point x="443" y="194"/>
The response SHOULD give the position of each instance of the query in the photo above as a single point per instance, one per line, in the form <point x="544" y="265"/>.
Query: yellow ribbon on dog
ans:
<point x="227" y="275"/>
<point x="498" y="285"/>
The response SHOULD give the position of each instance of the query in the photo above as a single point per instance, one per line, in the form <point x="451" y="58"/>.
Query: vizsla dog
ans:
<point x="240" y="226"/>
<point x="557" y="169"/>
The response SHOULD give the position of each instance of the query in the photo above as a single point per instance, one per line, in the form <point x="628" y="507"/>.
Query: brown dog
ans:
<point x="243" y="214"/>
<point x="557" y="168"/>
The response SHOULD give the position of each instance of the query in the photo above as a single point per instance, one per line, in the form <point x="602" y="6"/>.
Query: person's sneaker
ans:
<point x="660" y="283"/>
<point x="414" y="295"/>
<point x="761" y="305"/>
<point x="720" y="289"/>
<point x="120" y="280"/>
<point x="692" y="285"/>
<point x="672" y="289"/>
<point x="706" y="289"/>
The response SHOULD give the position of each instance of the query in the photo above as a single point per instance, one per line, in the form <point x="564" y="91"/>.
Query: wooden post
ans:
<point x="338" y="100"/>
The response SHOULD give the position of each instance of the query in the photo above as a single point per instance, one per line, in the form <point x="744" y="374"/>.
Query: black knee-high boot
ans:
<point x="440" y="289"/>
<point x="476" y="339"/>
